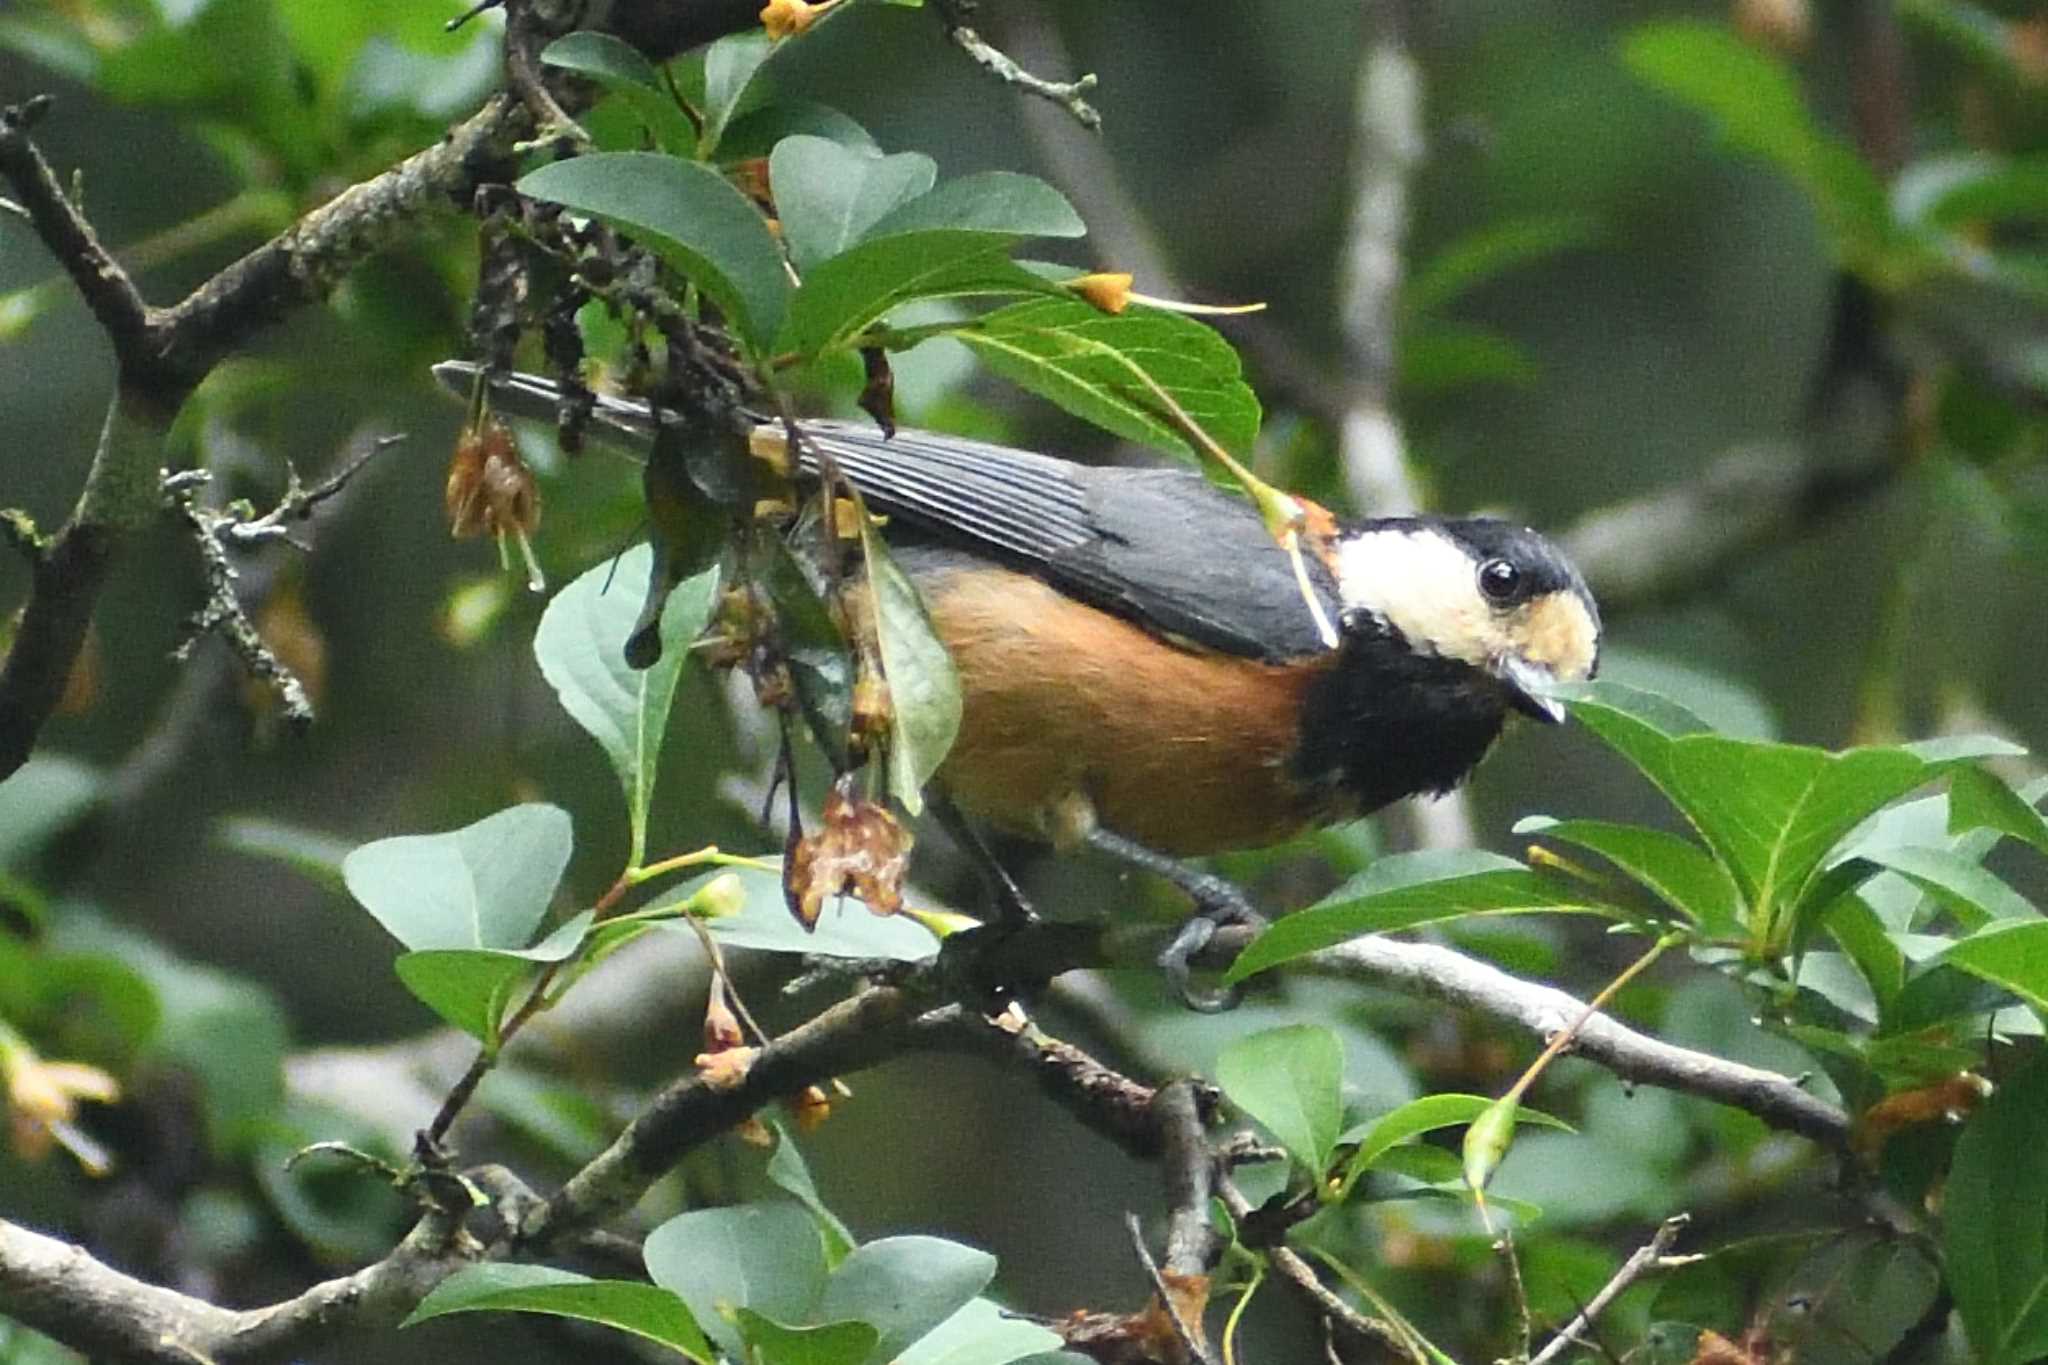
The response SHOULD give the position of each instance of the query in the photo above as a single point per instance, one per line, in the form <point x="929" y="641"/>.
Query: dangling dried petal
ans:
<point x="859" y="847"/>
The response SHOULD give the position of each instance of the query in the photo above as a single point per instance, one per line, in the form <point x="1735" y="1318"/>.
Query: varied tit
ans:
<point x="1140" y="668"/>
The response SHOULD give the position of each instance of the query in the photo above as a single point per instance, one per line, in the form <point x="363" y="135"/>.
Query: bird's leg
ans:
<point x="1012" y="908"/>
<point x="1218" y="902"/>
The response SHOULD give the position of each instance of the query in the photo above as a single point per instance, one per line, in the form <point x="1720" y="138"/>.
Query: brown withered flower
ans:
<point x="1149" y="1336"/>
<point x="491" y="491"/>
<point x="858" y="847"/>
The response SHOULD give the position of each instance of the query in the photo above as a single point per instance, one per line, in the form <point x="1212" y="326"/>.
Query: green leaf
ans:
<point x="691" y="216"/>
<point x="765" y="1257"/>
<point x="1720" y="703"/>
<point x="1405" y="890"/>
<point x="1946" y="751"/>
<point x="39" y="801"/>
<point x="945" y="244"/>
<point x="472" y="987"/>
<point x="621" y="69"/>
<point x="924" y="687"/>
<point x="1864" y="939"/>
<point x="581" y="648"/>
<point x="1104" y="367"/>
<point x="1291" y="1080"/>
<point x="1971" y="189"/>
<point x="841" y="297"/>
<point x="1640" y="726"/>
<point x="1971" y="891"/>
<point x="1425" y="1115"/>
<point x="980" y="1334"/>
<point x="788" y="1172"/>
<point x="1995" y="1222"/>
<point x="1772" y="812"/>
<point x="832" y="1343"/>
<point x="1676" y="870"/>
<point x="827" y="195"/>
<point x="1443" y="355"/>
<point x="1480" y="256"/>
<point x="1000" y="203"/>
<point x="309" y="852"/>
<point x="2010" y="954"/>
<point x="232" y="1035"/>
<point x="1981" y="800"/>
<point x="756" y="132"/>
<point x="764" y="922"/>
<point x="730" y="66"/>
<point x="1755" y="104"/>
<point x="485" y="885"/>
<point x="644" y="1310"/>
<point x="903" y="1287"/>
<point x="819" y="660"/>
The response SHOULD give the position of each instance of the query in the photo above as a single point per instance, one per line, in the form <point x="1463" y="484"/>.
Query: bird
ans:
<point x="1145" y="670"/>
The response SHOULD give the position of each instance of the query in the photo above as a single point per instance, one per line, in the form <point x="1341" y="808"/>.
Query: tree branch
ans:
<point x="1388" y="148"/>
<point x="105" y="286"/>
<point x="1677" y="541"/>
<point x="1438" y="973"/>
<point x="162" y="355"/>
<point x="66" y="1293"/>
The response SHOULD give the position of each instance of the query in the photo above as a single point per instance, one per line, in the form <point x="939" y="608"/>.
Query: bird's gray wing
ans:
<point x="1163" y="548"/>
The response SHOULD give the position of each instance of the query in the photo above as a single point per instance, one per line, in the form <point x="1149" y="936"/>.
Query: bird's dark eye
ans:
<point x="1499" y="580"/>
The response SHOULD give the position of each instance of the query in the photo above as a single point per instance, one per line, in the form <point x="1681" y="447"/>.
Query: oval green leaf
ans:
<point x="924" y="687"/>
<point x="903" y="1287"/>
<point x="1411" y="889"/>
<point x="641" y="1309"/>
<point x="689" y="215"/>
<point x="1995" y="1221"/>
<point x="828" y="195"/>
<point x="485" y="885"/>
<point x="581" y="649"/>
<point x="1291" y="1080"/>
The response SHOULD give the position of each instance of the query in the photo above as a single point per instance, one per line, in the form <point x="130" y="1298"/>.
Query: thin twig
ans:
<point x="1648" y="1258"/>
<point x="102" y="282"/>
<point x="1302" y="1276"/>
<point x="1066" y="94"/>
<point x="223" y="613"/>
<point x="1169" y="1302"/>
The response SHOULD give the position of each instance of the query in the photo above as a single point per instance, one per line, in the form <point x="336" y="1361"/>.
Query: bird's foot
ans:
<point x="1219" y="905"/>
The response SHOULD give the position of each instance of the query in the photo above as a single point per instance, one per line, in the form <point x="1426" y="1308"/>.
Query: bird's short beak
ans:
<point x="1529" y="687"/>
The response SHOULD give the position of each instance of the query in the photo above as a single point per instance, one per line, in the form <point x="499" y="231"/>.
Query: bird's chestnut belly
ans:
<point x="1184" y="751"/>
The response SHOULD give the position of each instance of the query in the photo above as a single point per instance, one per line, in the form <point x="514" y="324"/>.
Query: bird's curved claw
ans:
<point x="1177" y="961"/>
<point x="1212" y="912"/>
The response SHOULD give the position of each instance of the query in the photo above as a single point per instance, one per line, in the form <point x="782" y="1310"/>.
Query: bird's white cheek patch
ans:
<point x="1422" y="584"/>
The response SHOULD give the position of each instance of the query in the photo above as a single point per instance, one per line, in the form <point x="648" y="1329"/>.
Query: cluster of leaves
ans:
<point x="1858" y="912"/>
<point x="468" y="905"/>
<point x="867" y="235"/>
<point x="781" y="1282"/>
<point x="1866" y="924"/>
<point x="1951" y="240"/>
